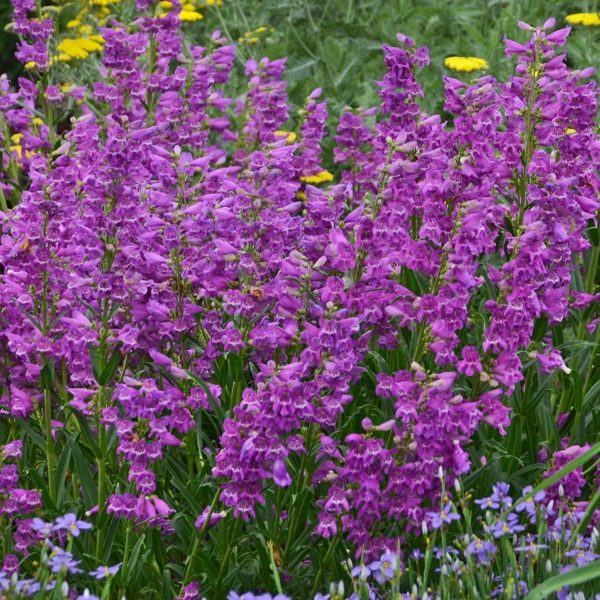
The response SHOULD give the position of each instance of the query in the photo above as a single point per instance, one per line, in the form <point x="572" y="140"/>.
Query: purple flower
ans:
<point x="280" y="474"/>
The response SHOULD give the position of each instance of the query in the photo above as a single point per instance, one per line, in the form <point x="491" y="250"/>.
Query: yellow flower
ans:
<point x="37" y="121"/>
<point x="71" y="48"/>
<point x="290" y="136"/>
<point x="318" y="178"/>
<point x="587" y="19"/>
<point x="301" y="196"/>
<point x="190" y="15"/>
<point x="73" y="24"/>
<point x="465" y="63"/>
<point x="570" y="131"/>
<point x="30" y="65"/>
<point x="214" y="2"/>
<point x="15" y="138"/>
<point x="166" y="5"/>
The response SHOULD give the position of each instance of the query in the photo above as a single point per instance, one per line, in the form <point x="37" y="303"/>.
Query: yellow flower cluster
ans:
<point x="588" y="19"/>
<point x="188" y="10"/>
<point x="83" y="41"/>
<point x="320" y="177"/>
<point x="466" y="63"/>
<point x="79" y="48"/>
<point x="252" y="37"/>
<point x="16" y="146"/>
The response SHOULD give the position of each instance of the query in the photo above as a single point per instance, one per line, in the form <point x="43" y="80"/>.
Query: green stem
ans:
<point x="101" y="462"/>
<point x="49" y="445"/>
<point x="198" y="543"/>
<point x="127" y="549"/>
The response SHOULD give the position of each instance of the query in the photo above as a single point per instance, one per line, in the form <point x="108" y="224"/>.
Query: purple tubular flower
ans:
<point x="215" y="517"/>
<point x="280" y="474"/>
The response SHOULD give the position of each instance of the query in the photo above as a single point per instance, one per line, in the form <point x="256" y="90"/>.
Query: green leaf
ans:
<point x="216" y="406"/>
<point x="95" y="360"/>
<point x="82" y="466"/>
<point x="573" y="577"/>
<point x="47" y="375"/>
<point x="86" y="432"/>
<point x="60" y="475"/>
<point x="133" y="559"/>
<point x="111" y="366"/>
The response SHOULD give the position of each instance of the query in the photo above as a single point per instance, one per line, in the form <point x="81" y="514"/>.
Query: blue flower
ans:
<point x="500" y="494"/>
<point x="71" y="524"/>
<point x="444" y="516"/>
<point x="529" y="504"/>
<point x="483" y="550"/>
<point x="361" y="571"/>
<point x="385" y="568"/>
<point x="102" y="572"/>
<point x="62" y="560"/>
<point x="506" y="526"/>
<point x="87" y="596"/>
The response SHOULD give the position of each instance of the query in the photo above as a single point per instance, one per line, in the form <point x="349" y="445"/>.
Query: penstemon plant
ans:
<point x="228" y="364"/>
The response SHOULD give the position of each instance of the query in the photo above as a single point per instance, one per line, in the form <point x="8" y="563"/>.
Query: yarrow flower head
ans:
<point x="591" y="19"/>
<point x="466" y="64"/>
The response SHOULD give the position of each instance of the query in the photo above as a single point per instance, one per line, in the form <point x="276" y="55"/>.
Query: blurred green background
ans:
<point x="336" y="44"/>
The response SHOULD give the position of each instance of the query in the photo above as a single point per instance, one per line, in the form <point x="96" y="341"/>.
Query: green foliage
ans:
<point x="336" y="44"/>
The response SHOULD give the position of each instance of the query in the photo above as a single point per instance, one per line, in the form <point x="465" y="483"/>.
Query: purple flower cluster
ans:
<point x="172" y="226"/>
